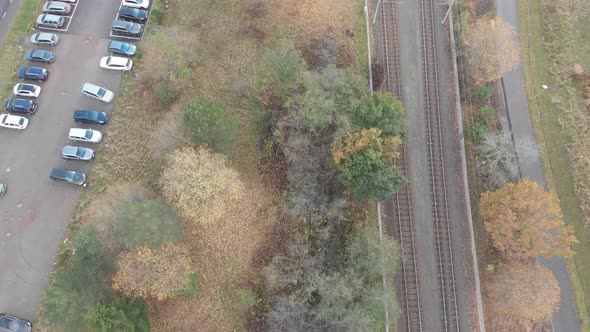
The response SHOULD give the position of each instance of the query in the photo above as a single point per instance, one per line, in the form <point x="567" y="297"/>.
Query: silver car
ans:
<point x="57" y="7"/>
<point x="97" y="92"/>
<point x="77" y="153"/>
<point x="45" y="38"/>
<point x="50" y="21"/>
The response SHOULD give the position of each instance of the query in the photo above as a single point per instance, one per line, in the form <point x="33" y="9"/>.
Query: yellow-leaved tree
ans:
<point x="524" y="221"/>
<point x="490" y="49"/>
<point x="159" y="273"/>
<point x="199" y="184"/>
<point x="361" y="140"/>
<point x="521" y="294"/>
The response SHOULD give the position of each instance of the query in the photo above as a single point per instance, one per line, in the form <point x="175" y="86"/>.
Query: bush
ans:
<point x="148" y="222"/>
<point x="476" y="132"/>
<point x="487" y="116"/>
<point x="382" y="111"/>
<point x="208" y="124"/>
<point x="76" y="288"/>
<point x="165" y="91"/>
<point x="192" y="286"/>
<point x="483" y="94"/>
<point x="122" y="315"/>
<point x="281" y="67"/>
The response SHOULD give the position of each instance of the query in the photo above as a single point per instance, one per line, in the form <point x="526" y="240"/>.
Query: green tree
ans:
<point x="149" y="222"/>
<point x="369" y="176"/>
<point x="77" y="286"/>
<point x="382" y="111"/>
<point x="207" y="123"/>
<point x="282" y="67"/>
<point x="122" y="314"/>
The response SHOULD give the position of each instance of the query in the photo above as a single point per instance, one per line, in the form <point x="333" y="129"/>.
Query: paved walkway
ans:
<point x="565" y="318"/>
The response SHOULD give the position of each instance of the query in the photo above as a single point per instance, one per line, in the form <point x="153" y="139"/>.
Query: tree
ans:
<point x="498" y="160"/>
<point x="199" y="184"/>
<point x="353" y="299"/>
<point x="77" y="287"/>
<point x="490" y="50"/>
<point x="524" y="221"/>
<point x="122" y="314"/>
<point x="525" y="292"/>
<point x="364" y="160"/>
<point x="208" y="124"/>
<point x="148" y="222"/>
<point x="382" y="111"/>
<point x="161" y="273"/>
<point x="282" y="66"/>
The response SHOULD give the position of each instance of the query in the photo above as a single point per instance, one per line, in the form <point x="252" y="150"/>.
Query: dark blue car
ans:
<point x="19" y="105"/>
<point x="40" y="56"/>
<point x="133" y="14"/>
<point x="33" y="73"/>
<point x="117" y="47"/>
<point x="90" y="117"/>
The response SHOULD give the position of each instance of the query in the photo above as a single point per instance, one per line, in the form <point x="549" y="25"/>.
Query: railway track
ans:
<point x="436" y="166"/>
<point x="411" y="318"/>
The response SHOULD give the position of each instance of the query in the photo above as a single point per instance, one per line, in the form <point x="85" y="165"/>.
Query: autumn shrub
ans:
<point x="77" y="286"/>
<point x="382" y="111"/>
<point x="208" y="124"/>
<point x="199" y="184"/>
<point x="161" y="273"/>
<point x="524" y="222"/>
<point x="148" y="222"/>
<point x="121" y="314"/>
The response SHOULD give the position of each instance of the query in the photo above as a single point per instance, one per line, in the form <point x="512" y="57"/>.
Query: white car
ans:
<point x="27" y="90"/>
<point x="85" y="135"/>
<point x="116" y="63"/>
<point x="143" y="4"/>
<point x="97" y="92"/>
<point x="13" y="121"/>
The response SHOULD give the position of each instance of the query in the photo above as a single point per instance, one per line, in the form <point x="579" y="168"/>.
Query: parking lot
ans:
<point x="35" y="211"/>
<point x="69" y="19"/>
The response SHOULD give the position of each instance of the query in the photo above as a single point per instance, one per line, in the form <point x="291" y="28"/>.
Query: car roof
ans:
<point x="118" y="60"/>
<point x="122" y="24"/>
<point x="126" y="9"/>
<point x="22" y="102"/>
<point x="91" y="87"/>
<point x="50" y="16"/>
<point x="68" y="149"/>
<point x="78" y="131"/>
<point x="8" y="118"/>
<point x="26" y="86"/>
<point x="45" y="35"/>
<point x="116" y="44"/>
<point x="35" y="69"/>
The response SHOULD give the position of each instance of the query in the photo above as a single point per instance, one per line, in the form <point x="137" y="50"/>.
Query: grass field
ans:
<point x="12" y="51"/>
<point x="545" y="114"/>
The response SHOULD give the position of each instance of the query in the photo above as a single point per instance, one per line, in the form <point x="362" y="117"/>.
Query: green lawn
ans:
<point x="558" y="172"/>
<point x="12" y="53"/>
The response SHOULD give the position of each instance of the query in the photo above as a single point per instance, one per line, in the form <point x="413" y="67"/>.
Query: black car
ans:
<point x="40" y="56"/>
<point x="90" y="117"/>
<point x="126" y="28"/>
<point x="68" y="176"/>
<point x="13" y="324"/>
<point x="19" y="105"/>
<point x="33" y="73"/>
<point x="133" y="14"/>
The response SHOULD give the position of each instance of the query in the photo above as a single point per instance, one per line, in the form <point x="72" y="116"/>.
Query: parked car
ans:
<point x="50" y="21"/>
<point x="94" y="117"/>
<point x="9" y="323"/>
<point x="116" y="63"/>
<point x="97" y="92"/>
<point x="45" y="38"/>
<point x="70" y="1"/>
<point x="19" y="105"/>
<point x="133" y="14"/>
<point x="126" y="28"/>
<point x="27" y="90"/>
<point x="137" y="3"/>
<point x="3" y="188"/>
<point x="85" y="135"/>
<point x="57" y="7"/>
<point x="40" y="56"/>
<point x="117" y="47"/>
<point x="33" y="73"/>
<point x="68" y="176"/>
<point x="77" y="153"/>
<point x="13" y="121"/>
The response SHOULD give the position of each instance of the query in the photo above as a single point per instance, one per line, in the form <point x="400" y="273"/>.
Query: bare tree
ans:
<point x="498" y="157"/>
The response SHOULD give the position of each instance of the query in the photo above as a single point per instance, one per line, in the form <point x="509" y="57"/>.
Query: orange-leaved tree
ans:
<point x="520" y="294"/>
<point x="525" y="221"/>
<point x="161" y="273"/>
<point x="490" y="49"/>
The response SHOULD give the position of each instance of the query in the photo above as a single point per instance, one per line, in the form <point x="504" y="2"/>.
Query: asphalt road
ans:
<point x="8" y="10"/>
<point x="565" y="318"/>
<point x="35" y="211"/>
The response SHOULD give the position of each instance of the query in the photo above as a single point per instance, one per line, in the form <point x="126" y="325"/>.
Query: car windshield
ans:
<point x="101" y="92"/>
<point x="21" y="121"/>
<point x="25" y="87"/>
<point x="80" y="152"/>
<point x="124" y="47"/>
<point x="88" y="134"/>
